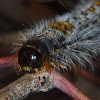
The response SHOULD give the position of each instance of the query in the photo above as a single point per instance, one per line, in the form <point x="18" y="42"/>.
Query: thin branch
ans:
<point x="8" y="61"/>
<point x="35" y="82"/>
<point x="66" y="86"/>
<point x="20" y="88"/>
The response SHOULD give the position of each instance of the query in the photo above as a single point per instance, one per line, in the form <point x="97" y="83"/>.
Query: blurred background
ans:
<point x="16" y="15"/>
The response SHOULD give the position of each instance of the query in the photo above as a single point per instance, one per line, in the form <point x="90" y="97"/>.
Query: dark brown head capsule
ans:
<point x="32" y="55"/>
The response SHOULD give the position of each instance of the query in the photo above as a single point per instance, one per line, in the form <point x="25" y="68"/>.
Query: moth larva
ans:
<point x="68" y="40"/>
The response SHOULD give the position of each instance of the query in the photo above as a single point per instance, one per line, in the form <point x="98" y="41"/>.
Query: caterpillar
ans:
<point x="68" y="40"/>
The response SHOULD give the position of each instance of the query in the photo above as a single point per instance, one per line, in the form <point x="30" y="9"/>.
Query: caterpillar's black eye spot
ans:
<point x="32" y="54"/>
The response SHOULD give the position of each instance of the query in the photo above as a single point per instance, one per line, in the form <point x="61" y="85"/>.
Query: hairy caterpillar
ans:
<point x="68" y="40"/>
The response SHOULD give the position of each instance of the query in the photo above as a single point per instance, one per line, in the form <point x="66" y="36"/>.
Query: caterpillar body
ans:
<point x="68" y="40"/>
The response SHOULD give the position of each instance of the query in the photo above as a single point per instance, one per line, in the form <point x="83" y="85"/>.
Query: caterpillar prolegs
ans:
<point x="69" y="40"/>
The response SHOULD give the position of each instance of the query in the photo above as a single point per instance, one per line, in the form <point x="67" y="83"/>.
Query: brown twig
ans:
<point x="31" y="83"/>
<point x="8" y="61"/>
<point x="66" y="86"/>
<point x="25" y="85"/>
<point x="20" y="88"/>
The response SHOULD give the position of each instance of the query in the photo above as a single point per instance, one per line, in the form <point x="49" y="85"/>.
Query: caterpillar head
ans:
<point x="32" y="55"/>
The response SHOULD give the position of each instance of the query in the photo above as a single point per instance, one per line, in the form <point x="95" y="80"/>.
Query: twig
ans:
<point x="66" y="86"/>
<point x="40" y="82"/>
<point x="22" y="87"/>
<point x="8" y="61"/>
